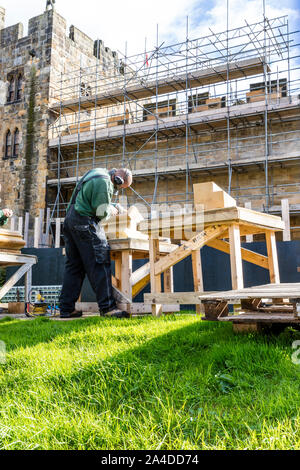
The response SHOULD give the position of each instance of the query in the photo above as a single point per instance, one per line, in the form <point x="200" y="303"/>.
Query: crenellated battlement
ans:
<point x="51" y="23"/>
<point x="2" y="18"/>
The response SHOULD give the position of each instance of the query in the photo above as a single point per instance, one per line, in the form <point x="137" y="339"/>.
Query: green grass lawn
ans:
<point x="169" y="383"/>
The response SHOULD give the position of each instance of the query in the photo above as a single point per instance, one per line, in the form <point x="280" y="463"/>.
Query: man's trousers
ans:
<point x="87" y="252"/>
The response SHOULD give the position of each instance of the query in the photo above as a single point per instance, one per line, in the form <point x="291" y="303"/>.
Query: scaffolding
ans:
<point x="180" y="110"/>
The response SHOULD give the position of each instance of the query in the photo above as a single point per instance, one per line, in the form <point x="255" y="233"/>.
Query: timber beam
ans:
<point x="247" y="255"/>
<point x="186" y="249"/>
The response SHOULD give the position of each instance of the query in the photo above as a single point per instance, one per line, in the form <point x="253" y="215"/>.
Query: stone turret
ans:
<point x="2" y="18"/>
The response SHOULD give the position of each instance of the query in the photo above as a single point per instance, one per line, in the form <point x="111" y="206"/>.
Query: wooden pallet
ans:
<point x="267" y="304"/>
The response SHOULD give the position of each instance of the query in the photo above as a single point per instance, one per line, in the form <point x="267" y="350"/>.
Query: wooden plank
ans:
<point x="41" y="228"/>
<point x="118" y="271"/>
<point x="168" y="280"/>
<point x="139" y="245"/>
<point x="17" y="259"/>
<point x="249" y="238"/>
<point x="140" y="274"/>
<point x="13" y="221"/>
<point x="256" y="221"/>
<point x="28" y="284"/>
<point x="237" y="278"/>
<point x="155" y="279"/>
<point x="126" y="272"/>
<point x="257" y="317"/>
<point x="168" y="84"/>
<point x="36" y="232"/>
<point x="57" y="233"/>
<point x="20" y="225"/>
<point x="272" y="257"/>
<point x="140" y="285"/>
<point x="134" y="308"/>
<point x="46" y="240"/>
<point x="247" y="255"/>
<point x="14" y="279"/>
<point x="260" y="219"/>
<point x="188" y="247"/>
<point x="26" y="229"/>
<point x="284" y="293"/>
<point x="181" y="298"/>
<point x="197" y="275"/>
<point x="285" y="211"/>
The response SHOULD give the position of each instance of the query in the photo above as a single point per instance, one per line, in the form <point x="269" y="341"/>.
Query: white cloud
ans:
<point x="115" y="22"/>
<point x="118" y="21"/>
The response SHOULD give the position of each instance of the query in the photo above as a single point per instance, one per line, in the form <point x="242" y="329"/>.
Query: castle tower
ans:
<point x="2" y="18"/>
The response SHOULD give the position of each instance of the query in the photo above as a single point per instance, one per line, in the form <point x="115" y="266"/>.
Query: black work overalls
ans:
<point x="87" y="252"/>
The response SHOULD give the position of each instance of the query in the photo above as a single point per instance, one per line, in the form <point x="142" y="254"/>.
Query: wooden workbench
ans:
<point x="11" y="244"/>
<point x="221" y="229"/>
<point x="123" y="252"/>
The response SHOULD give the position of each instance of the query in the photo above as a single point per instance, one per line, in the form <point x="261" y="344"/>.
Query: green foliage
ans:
<point x="169" y="383"/>
<point x="30" y="138"/>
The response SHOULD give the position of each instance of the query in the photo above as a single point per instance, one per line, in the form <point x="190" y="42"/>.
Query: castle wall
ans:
<point x="40" y="57"/>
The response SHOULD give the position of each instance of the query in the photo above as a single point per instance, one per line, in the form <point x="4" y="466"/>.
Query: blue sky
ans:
<point x="118" y="21"/>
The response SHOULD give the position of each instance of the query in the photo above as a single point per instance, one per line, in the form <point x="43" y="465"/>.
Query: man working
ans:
<point x="5" y="214"/>
<point x="87" y="250"/>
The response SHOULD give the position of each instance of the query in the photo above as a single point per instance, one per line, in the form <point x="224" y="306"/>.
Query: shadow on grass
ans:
<point x="22" y="333"/>
<point x="170" y="379"/>
<point x="29" y="333"/>
<point x="190" y="354"/>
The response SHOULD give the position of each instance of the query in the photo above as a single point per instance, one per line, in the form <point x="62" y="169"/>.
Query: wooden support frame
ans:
<point x="155" y="279"/>
<point x="272" y="257"/>
<point x="179" y="298"/>
<point x="133" y="309"/>
<point x="285" y="211"/>
<point x="169" y="280"/>
<point x="186" y="249"/>
<point x="237" y="278"/>
<point x="118" y="271"/>
<point x="247" y="255"/>
<point x="26" y="262"/>
<point x="197" y="275"/>
<point x="126" y="272"/>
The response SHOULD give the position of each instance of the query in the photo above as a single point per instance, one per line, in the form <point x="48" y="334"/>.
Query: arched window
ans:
<point x="8" y="144"/>
<point x="16" y="143"/>
<point x="19" y="86"/>
<point x="11" y="90"/>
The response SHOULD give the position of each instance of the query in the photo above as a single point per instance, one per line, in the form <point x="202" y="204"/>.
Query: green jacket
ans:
<point x="94" y="198"/>
<point x="3" y="219"/>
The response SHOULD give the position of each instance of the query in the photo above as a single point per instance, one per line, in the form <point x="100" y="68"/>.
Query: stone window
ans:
<point x="15" y="88"/>
<point x="7" y="152"/>
<point x="11" y="90"/>
<point x="19" y="85"/>
<point x="16" y="146"/>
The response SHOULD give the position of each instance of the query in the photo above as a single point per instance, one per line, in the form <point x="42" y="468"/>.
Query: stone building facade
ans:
<point x="33" y="70"/>
<point x="30" y="70"/>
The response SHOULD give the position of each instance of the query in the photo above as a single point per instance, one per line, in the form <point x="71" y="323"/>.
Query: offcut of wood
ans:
<point x="11" y="242"/>
<point x="211" y="196"/>
<point x="125" y="225"/>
